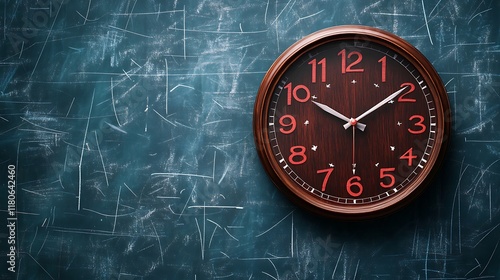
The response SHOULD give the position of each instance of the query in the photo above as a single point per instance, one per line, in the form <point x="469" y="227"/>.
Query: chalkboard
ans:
<point x="126" y="145"/>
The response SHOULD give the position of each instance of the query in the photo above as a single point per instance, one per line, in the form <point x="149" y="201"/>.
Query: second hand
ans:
<point x="354" y="149"/>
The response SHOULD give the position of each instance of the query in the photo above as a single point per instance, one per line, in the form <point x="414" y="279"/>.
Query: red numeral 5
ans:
<point x="384" y="174"/>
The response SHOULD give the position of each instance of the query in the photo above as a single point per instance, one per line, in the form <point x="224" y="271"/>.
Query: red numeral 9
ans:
<point x="290" y="124"/>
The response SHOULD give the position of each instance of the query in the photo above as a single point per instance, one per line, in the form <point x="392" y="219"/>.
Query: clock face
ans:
<point x="351" y="122"/>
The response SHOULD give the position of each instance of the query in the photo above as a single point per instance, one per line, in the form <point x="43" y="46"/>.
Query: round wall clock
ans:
<point x="351" y="122"/>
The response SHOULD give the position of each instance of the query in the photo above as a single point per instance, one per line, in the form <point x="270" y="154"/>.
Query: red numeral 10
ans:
<point x="314" y="66"/>
<point x="294" y="93"/>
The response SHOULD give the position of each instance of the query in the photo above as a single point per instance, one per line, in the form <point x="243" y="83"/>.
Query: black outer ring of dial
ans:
<point x="315" y="204"/>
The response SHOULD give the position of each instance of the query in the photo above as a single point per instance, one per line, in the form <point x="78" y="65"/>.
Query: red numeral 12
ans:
<point x="348" y="68"/>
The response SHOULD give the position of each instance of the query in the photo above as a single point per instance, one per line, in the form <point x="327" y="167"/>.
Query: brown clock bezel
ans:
<point x="300" y="196"/>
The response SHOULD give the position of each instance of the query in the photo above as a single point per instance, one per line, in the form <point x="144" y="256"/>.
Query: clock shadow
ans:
<point x="392" y="230"/>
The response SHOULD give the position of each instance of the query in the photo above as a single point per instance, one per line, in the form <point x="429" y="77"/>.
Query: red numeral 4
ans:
<point x="409" y="156"/>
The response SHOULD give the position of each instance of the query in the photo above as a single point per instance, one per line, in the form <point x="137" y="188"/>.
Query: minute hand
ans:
<point x="348" y="124"/>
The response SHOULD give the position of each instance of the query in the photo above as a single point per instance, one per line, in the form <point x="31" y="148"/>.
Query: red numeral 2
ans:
<point x="402" y="97"/>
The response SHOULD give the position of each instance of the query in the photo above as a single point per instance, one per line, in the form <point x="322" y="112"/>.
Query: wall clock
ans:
<point x="351" y="122"/>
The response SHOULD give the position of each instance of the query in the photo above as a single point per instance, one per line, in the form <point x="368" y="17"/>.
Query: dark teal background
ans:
<point x="130" y="125"/>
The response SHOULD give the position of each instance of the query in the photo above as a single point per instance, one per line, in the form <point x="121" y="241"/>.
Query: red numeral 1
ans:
<point x="383" y="61"/>
<point x="327" y="176"/>
<point x="313" y="70"/>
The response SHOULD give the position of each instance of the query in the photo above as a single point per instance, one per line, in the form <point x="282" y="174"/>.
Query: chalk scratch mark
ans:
<point x="489" y="260"/>
<point x="487" y="233"/>
<point x="87" y="14"/>
<point x="116" y="128"/>
<point x="81" y="155"/>
<point x="129" y="189"/>
<point x="45" y="43"/>
<point x="274" y="225"/>
<point x="102" y="159"/>
<point x="113" y="103"/>
<point x="427" y="23"/>
<point x="44" y="128"/>
<point x="159" y="242"/>
<point x="338" y="260"/>
<point x="116" y="209"/>
<point x="457" y="193"/>
<point x="131" y="32"/>
<point x="180" y="174"/>
<point x="284" y="8"/>
<point x="315" y="14"/>
<point x="166" y="87"/>
<point x="163" y="118"/>
<point x="46" y="272"/>
<point x="487" y="10"/>
<point x="70" y="106"/>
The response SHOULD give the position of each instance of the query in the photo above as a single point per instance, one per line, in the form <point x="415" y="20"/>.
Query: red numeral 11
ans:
<point x="314" y="66"/>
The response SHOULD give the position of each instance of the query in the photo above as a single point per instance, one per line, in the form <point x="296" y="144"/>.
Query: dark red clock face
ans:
<point x="351" y="124"/>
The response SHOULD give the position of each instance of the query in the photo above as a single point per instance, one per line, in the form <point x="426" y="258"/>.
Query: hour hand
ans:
<point x="332" y="112"/>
